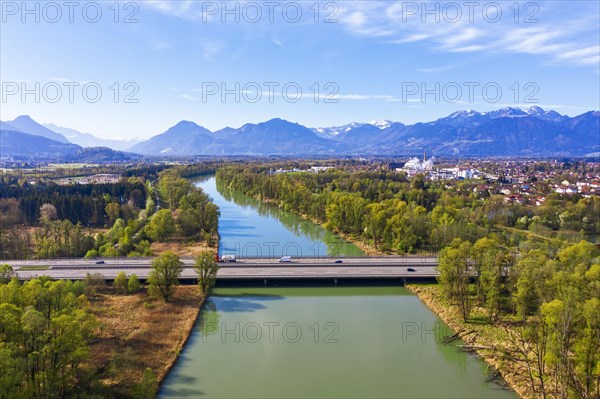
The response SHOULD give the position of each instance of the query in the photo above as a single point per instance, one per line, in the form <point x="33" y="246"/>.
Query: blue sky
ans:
<point x="366" y="60"/>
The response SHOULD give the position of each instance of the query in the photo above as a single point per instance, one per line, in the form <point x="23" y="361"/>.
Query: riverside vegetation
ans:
<point x="389" y="212"/>
<point x="88" y="340"/>
<point x="147" y="209"/>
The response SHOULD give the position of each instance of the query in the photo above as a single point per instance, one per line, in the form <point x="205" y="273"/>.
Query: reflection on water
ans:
<point x="318" y="342"/>
<point x="249" y="228"/>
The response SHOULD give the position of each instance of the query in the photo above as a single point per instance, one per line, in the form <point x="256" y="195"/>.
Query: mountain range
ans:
<point x="26" y="139"/>
<point x="509" y="131"/>
<point x="504" y="132"/>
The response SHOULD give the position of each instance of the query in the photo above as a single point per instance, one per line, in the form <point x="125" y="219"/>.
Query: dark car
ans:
<point x="100" y="262"/>
<point x="410" y="269"/>
<point x="338" y="261"/>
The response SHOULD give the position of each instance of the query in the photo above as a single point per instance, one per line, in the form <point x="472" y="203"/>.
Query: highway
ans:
<point x="243" y="269"/>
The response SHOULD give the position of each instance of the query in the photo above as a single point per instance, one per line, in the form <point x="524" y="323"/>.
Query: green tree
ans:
<point x="113" y="211"/>
<point x="133" y="284"/>
<point x="455" y="274"/>
<point x="161" y="226"/>
<point x="44" y="332"/>
<point x="6" y="273"/>
<point x="148" y="387"/>
<point x="120" y="283"/>
<point x="164" y="275"/>
<point x="206" y="268"/>
<point x="489" y="261"/>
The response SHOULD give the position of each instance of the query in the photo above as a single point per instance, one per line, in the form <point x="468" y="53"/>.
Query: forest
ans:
<point x="44" y="334"/>
<point x="545" y="309"/>
<point x="45" y="220"/>
<point x="392" y="214"/>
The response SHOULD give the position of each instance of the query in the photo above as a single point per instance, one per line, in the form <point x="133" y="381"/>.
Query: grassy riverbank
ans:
<point x="136" y="333"/>
<point x="491" y="341"/>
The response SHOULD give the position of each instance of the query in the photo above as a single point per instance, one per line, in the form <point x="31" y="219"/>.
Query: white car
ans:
<point x="285" y="259"/>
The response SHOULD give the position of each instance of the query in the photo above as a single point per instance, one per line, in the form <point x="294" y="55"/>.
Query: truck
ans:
<point x="228" y="258"/>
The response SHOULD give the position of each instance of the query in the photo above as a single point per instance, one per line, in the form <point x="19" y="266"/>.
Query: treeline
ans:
<point x="78" y="203"/>
<point x="46" y="220"/>
<point x="549" y="306"/>
<point x="196" y="216"/>
<point x="151" y="172"/>
<point x="394" y="214"/>
<point x="191" y="217"/>
<point x="381" y="207"/>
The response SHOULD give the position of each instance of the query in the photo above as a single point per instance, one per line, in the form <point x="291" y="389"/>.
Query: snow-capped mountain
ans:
<point x="505" y="132"/>
<point x="329" y="132"/>
<point x="506" y="112"/>
<point x="382" y="124"/>
<point x="552" y="116"/>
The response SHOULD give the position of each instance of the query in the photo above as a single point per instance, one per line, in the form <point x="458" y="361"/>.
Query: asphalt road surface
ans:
<point x="366" y="267"/>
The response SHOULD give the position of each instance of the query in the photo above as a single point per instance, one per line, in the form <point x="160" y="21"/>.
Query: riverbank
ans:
<point x="490" y="341"/>
<point x="363" y="245"/>
<point x="137" y="332"/>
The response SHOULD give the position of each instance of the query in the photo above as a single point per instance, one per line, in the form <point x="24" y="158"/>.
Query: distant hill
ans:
<point x="23" y="146"/>
<point x="276" y="136"/>
<point x="185" y="138"/>
<point x="88" y="140"/>
<point x="25" y="124"/>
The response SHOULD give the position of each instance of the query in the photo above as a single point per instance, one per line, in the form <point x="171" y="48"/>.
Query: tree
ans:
<point x="161" y="225"/>
<point x="113" y="211"/>
<point x="207" y="268"/>
<point x="489" y="262"/>
<point x="6" y="273"/>
<point x="93" y="283"/>
<point x="120" y="282"/>
<point x="48" y="213"/>
<point x="44" y="335"/>
<point x="133" y="285"/>
<point x="455" y="274"/>
<point x="148" y="386"/>
<point x="164" y="275"/>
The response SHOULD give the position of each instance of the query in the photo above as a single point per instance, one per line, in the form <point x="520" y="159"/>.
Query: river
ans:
<point x="315" y="342"/>
<point x="250" y="228"/>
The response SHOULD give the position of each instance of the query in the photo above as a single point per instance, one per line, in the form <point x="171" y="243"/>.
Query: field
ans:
<point x="136" y="332"/>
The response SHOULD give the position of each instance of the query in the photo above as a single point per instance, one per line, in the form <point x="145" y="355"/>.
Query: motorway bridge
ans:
<point x="381" y="268"/>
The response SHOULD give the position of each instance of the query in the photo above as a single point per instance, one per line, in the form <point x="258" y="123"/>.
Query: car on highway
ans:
<point x="410" y="269"/>
<point x="338" y="261"/>
<point x="285" y="259"/>
<point x="100" y="262"/>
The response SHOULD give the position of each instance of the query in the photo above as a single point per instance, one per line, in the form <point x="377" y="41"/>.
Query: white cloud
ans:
<point x="435" y="69"/>
<point x="560" y="34"/>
